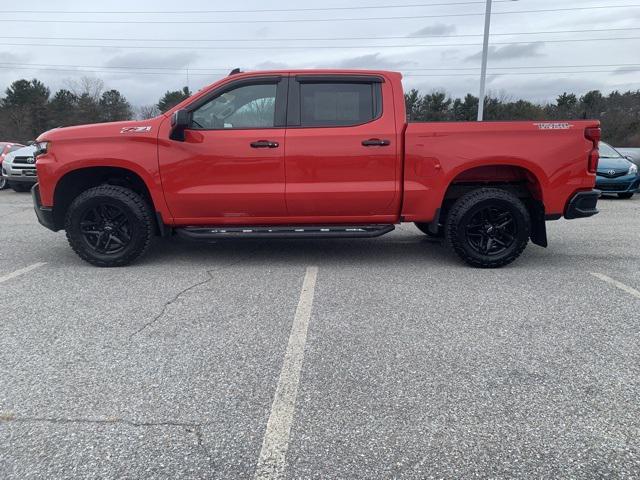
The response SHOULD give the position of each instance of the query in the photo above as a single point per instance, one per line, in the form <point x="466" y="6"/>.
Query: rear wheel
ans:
<point x="424" y="228"/>
<point x="488" y="227"/>
<point x="626" y="195"/>
<point x="109" y="226"/>
<point x="20" y="187"/>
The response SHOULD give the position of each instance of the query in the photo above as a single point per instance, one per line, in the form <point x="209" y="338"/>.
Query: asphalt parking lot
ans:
<point x="382" y="358"/>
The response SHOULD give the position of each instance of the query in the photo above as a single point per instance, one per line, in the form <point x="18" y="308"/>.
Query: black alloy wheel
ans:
<point x="492" y="230"/>
<point x="109" y="225"/>
<point x="105" y="228"/>
<point x="488" y="227"/>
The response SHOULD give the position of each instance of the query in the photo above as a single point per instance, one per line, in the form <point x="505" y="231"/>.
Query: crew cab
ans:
<point x="322" y="153"/>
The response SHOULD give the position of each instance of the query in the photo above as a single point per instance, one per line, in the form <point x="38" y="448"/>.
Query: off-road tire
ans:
<point x="468" y="207"/>
<point x="138" y="216"/>
<point x="424" y="228"/>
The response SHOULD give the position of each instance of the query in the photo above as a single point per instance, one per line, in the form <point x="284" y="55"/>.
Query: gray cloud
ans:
<point x="147" y="88"/>
<point x="509" y="52"/>
<point x="625" y="70"/>
<point x="372" y="61"/>
<point x="435" y="29"/>
<point x="146" y="60"/>
<point x="268" y="65"/>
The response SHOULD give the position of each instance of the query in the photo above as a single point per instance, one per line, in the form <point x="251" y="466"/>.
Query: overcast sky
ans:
<point x="428" y="63"/>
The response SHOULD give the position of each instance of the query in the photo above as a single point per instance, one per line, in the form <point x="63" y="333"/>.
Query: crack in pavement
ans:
<point x="200" y="439"/>
<point x="194" y="427"/>
<point x="105" y="421"/>
<point x="189" y="288"/>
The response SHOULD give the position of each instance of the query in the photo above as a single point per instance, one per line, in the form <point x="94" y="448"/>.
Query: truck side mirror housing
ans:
<point x="180" y="121"/>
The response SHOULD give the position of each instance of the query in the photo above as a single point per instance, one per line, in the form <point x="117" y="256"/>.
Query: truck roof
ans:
<point x="321" y="71"/>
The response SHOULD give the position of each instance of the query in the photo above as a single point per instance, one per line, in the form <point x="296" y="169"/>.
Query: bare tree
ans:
<point x="147" y="111"/>
<point x="91" y="87"/>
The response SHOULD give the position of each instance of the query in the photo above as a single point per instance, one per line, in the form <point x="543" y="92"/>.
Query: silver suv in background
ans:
<point x="19" y="169"/>
<point x="5" y="148"/>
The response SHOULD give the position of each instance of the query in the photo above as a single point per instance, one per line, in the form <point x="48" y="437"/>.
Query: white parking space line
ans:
<point x="271" y="462"/>
<point x="615" y="283"/>
<point x="22" y="271"/>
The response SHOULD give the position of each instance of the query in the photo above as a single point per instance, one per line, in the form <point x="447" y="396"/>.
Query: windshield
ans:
<point x="13" y="148"/>
<point x="607" y="151"/>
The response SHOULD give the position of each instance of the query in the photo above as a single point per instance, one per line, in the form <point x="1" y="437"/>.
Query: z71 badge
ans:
<point x="553" y="125"/>
<point x="135" y="129"/>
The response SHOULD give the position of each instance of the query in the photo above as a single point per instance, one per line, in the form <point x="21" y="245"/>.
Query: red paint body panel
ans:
<point x="438" y="153"/>
<point x="322" y="175"/>
<point x="330" y="173"/>
<point x="215" y="174"/>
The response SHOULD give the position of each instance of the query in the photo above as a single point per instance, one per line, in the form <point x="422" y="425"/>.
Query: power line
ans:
<point x="221" y="69"/>
<point x="261" y="10"/>
<point x="302" y="39"/>
<point x="633" y="70"/>
<point x="128" y="72"/>
<point x="316" y="47"/>
<point x="228" y="68"/>
<point x="300" y="20"/>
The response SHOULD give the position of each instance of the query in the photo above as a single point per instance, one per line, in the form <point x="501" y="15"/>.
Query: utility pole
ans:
<point x="485" y="54"/>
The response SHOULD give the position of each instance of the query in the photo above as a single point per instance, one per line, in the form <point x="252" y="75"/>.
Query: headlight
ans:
<point x="41" y="148"/>
<point x="633" y="169"/>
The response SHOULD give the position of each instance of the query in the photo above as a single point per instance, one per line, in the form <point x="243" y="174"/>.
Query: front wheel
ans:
<point x="488" y="227"/>
<point x="626" y="195"/>
<point x="3" y="183"/>
<point x="109" y="226"/>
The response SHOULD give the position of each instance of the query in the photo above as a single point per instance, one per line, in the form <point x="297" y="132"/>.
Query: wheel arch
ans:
<point x="525" y="181"/>
<point x="78" y="180"/>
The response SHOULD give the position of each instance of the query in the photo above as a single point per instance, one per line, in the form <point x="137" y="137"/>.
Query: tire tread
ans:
<point x="466" y="202"/>
<point x="141" y="209"/>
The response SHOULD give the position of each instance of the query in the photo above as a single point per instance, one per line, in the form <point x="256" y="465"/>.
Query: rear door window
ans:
<point x="335" y="104"/>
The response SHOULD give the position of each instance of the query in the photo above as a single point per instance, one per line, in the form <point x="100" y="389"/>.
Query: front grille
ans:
<point x="615" y="174"/>
<point x="24" y="160"/>
<point x="613" y="187"/>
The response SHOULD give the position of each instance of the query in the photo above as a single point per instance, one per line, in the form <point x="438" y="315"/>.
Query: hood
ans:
<point x="100" y="130"/>
<point x="618" y="164"/>
<point x="21" y="152"/>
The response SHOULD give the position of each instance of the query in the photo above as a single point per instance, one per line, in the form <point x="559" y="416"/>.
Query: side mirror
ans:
<point x="180" y="121"/>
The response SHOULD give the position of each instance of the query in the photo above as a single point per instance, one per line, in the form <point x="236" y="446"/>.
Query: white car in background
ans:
<point x="5" y="148"/>
<point x="19" y="169"/>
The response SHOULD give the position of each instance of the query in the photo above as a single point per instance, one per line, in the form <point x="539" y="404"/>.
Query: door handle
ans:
<point x="264" y="144"/>
<point x="375" y="142"/>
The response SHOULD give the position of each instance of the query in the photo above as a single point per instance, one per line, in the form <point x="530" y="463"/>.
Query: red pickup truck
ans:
<point x="312" y="153"/>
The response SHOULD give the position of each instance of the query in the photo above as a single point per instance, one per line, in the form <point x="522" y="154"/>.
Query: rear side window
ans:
<point x="336" y="104"/>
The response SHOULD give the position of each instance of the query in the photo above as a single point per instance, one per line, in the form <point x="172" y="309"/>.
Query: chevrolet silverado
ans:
<point x="312" y="153"/>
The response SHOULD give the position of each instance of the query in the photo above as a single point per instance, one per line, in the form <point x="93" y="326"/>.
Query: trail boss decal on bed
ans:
<point x="135" y="129"/>
<point x="553" y="125"/>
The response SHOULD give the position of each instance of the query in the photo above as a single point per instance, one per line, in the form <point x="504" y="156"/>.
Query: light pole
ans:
<point x="485" y="53"/>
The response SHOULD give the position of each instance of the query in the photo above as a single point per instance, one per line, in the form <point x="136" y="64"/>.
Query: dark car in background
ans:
<point x="616" y="174"/>
<point x="6" y="147"/>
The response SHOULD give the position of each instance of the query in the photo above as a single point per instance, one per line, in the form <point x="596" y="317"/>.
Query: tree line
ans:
<point x="28" y="108"/>
<point x="619" y="113"/>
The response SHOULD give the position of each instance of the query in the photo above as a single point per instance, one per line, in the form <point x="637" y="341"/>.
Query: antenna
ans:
<point x="234" y="71"/>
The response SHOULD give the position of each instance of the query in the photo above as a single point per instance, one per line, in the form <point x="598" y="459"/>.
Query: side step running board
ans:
<point x="303" y="231"/>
